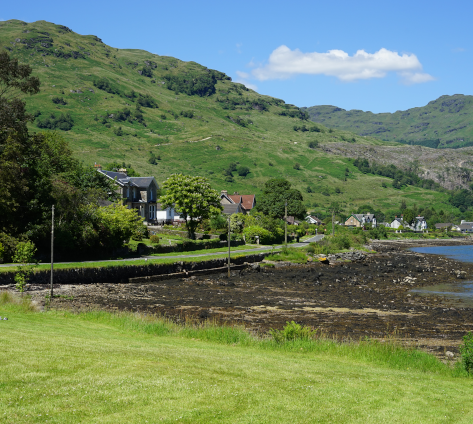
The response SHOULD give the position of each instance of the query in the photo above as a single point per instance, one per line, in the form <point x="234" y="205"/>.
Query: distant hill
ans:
<point x="443" y="123"/>
<point x="162" y="115"/>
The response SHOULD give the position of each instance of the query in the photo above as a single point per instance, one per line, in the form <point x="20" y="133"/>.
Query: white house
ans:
<point x="311" y="219"/>
<point x="397" y="223"/>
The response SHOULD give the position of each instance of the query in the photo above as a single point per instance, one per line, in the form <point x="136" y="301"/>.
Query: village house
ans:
<point x="311" y="219"/>
<point x="398" y="222"/>
<point x="137" y="192"/>
<point x="443" y="225"/>
<point x="360" y="220"/>
<point x="237" y="203"/>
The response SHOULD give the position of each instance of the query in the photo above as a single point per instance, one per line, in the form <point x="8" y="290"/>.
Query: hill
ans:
<point x="162" y="115"/>
<point x="442" y="123"/>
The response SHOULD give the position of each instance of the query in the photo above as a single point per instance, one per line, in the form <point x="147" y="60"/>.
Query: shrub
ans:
<point x="467" y="353"/>
<point x="291" y="332"/>
<point x="59" y="101"/>
<point x="2" y="250"/>
<point x="313" y="144"/>
<point x="297" y="166"/>
<point x="154" y="239"/>
<point x="243" y="171"/>
<point x="62" y="122"/>
<point x="253" y="231"/>
<point x="118" y="131"/>
<point x="23" y="256"/>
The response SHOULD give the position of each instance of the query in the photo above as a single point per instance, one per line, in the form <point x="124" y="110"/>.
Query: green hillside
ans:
<point x="443" y="123"/>
<point x="132" y="106"/>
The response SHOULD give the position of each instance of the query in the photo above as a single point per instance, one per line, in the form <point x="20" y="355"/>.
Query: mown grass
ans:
<point x="60" y="367"/>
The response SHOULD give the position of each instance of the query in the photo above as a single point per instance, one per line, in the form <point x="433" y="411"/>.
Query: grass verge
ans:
<point x="99" y="367"/>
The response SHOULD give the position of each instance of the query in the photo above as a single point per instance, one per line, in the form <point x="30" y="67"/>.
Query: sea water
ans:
<point x="460" y="291"/>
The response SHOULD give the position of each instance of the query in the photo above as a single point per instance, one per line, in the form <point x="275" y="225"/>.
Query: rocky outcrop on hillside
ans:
<point x="451" y="168"/>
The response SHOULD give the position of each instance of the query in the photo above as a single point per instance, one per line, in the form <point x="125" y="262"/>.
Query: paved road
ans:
<point x="198" y="255"/>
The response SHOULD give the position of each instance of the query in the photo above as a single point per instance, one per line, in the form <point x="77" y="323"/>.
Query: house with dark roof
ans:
<point x="360" y="220"/>
<point x="246" y="202"/>
<point x="443" y="225"/>
<point x="137" y="192"/>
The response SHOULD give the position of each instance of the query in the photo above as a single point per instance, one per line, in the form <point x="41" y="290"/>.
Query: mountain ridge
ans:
<point x="442" y="123"/>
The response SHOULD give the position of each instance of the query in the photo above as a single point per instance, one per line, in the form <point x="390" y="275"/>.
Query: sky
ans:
<point x="375" y="56"/>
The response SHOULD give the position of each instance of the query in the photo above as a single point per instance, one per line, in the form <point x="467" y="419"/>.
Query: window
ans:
<point x="152" y="211"/>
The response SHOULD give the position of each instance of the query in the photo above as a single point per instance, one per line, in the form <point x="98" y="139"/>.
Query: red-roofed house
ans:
<point x="246" y="201"/>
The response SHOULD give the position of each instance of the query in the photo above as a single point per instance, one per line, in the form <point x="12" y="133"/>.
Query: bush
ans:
<point x="467" y="353"/>
<point x="59" y="101"/>
<point x="154" y="239"/>
<point x="253" y="231"/>
<point x="297" y="166"/>
<point x="243" y="171"/>
<point x="23" y="256"/>
<point x="291" y="332"/>
<point x="63" y="122"/>
<point x="313" y="144"/>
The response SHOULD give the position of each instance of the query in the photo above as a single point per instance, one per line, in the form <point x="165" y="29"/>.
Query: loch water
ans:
<point x="462" y="290"/>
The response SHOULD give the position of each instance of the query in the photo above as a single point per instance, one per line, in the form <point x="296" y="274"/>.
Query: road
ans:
<point x="198" y="255"/>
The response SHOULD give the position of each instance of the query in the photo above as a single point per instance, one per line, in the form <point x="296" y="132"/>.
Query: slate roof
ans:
<point x="465" y="227"/>
<point x="123" y="179"/>
<point x="443" y="225"/>
<point x="231" y="209"/>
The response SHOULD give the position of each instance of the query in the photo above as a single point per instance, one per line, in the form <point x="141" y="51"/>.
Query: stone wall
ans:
<point x="121" y="274"/>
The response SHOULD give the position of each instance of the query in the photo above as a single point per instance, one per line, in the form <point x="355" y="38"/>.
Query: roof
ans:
<point x="247" y="200"/>
<point x="360" y="216"/>
<point x="123" y="179"/>
<point x="231" y="209"/>
<point x="465" y="227"/>
<point x="443" y="225"/>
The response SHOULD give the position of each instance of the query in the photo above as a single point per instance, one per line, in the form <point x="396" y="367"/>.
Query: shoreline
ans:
<point x="346" y="300"/>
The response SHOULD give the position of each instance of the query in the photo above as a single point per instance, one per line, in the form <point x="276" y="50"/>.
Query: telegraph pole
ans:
<point x="285" y="224"/>
<point x="228" y="238"/>
<point x="52" y="251"/>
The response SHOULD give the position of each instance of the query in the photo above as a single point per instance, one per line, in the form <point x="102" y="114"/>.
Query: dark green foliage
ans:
<point x="103" y="84"/>
<point x="297" y="166"/>
<point x="131" y="95"/>
<point x="154" y="238"/>
<point x="153" y="160"/>
<point x="118" y="131"/>
<point x="187" y="114"/>
<point x="400" y="177"/>
<point x="276" y="193"/>
<point x="59" y="101"/>
<point x="147" y="72"/>
<point x="239" y="121"/>
<point x="63" y="122"/>
<point x="462" y="199"/>
<point x="295" y="113"/>
<point x="192" y="83"/>
<point x="115" y="166"/>
<point x="466" y="351"/>
<point x="378" y="233"/>
<point x="243" y="171"/>
<point x="145" y="100"/>
<point x="313" y="144"/>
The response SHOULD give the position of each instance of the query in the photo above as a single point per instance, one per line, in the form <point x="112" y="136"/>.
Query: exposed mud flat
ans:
<point x="344" y="299"/>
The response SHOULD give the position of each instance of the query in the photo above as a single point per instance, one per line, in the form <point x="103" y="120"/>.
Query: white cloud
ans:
<point x="284" y="63"/>
<point x="243" y="74"/>
<point x="410" y="78"/>
<point x="239" y="46"/>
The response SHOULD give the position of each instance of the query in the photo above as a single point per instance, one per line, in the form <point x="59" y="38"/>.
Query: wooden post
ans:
<point x="52" y="251"/>
<point x="228" y="239"/>
<point x="285" y="224"/>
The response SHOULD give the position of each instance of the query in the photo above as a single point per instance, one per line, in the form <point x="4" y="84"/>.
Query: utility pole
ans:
<point x="52" y="251"/>
<point x="285" y="224"/>
<point x="228" y="238"/>
<point x="333" y="222"/>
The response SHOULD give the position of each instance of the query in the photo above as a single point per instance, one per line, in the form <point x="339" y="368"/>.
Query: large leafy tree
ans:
<point x="193" y="198"/>
<point x="276" y="193"/>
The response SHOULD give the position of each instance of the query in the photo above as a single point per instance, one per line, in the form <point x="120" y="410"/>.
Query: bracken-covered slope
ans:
<point x="443" y="123"/>
<point x="131" y="105"/>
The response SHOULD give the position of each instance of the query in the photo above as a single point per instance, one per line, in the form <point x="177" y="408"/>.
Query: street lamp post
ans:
<point x="228" y="238"/>
<point x="52" y="251"/>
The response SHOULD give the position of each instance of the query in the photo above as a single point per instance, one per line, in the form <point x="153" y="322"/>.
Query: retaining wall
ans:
<point x="122" y="274"/>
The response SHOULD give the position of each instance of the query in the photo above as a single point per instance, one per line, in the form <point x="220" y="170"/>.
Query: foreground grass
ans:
<point x="96" y="367"/>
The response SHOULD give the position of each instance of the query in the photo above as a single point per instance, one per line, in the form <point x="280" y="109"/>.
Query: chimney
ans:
<point x="123" y="171"/>
<point x="97" y="166"/>
<point x="225" y="192"/>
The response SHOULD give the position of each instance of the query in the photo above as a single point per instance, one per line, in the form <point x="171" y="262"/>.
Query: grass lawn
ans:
<point x="58" y="367"/>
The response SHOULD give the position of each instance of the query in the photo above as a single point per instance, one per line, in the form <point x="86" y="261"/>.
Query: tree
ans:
<point x="276" y="192"/>
<point x="409" y="216"/>
<point x="243" y="171"/>
<point x="24" y="254"/>
<point x="193" y="198"/>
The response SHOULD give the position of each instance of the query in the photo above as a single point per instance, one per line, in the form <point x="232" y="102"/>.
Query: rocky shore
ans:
<point x="366" y="295"/>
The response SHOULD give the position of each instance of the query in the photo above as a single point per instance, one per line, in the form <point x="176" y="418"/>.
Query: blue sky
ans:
<point x="370" y="55"/>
